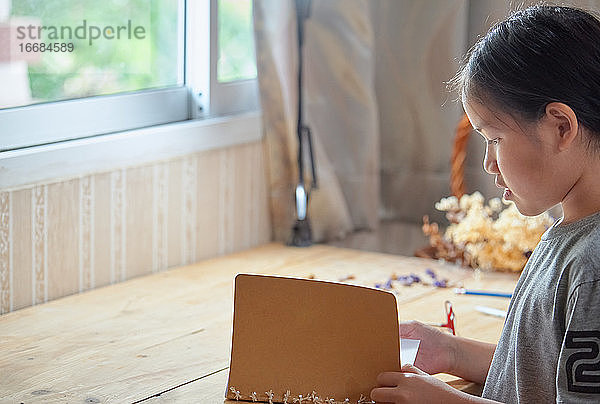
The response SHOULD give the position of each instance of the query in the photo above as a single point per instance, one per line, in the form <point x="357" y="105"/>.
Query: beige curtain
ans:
<point x="340" y="108"/>
<point x="375" y="97"/>
<point x="418" y="47"/>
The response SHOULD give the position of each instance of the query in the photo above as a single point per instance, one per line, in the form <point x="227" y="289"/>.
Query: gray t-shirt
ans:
<point x="549" y="347"/>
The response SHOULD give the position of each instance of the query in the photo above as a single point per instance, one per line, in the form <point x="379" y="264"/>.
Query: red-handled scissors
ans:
<point x="449" y="317"/>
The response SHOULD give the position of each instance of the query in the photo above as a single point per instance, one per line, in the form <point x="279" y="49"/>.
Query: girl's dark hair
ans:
<point x="538" y="55"/>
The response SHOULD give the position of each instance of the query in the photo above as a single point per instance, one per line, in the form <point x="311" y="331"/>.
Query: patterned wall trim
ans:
<point x="78" y="234"/>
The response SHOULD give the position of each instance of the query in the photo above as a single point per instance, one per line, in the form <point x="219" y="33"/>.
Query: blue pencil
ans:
<point x="463" y="291"/>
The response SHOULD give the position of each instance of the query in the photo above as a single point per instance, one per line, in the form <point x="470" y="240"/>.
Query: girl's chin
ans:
<point x="524" y="208"/>
<point x="527" y="210"/>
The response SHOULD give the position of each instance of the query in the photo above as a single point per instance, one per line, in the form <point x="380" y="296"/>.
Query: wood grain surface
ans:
<point x="166" y="337"/>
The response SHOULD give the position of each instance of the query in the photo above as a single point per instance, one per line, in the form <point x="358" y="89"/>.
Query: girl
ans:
<point x="531" y="89"/>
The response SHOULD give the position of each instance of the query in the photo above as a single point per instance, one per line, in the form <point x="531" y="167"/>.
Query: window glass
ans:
<point x="236" y="60"/>
<point x="54" y="50"/>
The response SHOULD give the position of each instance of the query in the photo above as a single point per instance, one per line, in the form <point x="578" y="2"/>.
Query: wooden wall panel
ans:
<point x="188" y="215"/>
<point x="21" y="246"/>
<point x="39" y="243"/>
<point x="242" y="186"/>
<point x="175" y="207"/>
<point x="138" y="232"/>
<point x="62" y="240"/>
<point x="86" y="225"/>
<point x="207" y="207"/>
<point x="78" y="234"/>
<point x="118" y="225"/>
<point x="261" y="228"/>
<point x="227" y="199"/>
<point x="102" y="236"/>
<point x="5" y="252"/>
<point x="160" y="216"/>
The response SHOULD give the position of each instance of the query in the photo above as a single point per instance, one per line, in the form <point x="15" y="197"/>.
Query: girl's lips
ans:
<point x="500" y="184"/>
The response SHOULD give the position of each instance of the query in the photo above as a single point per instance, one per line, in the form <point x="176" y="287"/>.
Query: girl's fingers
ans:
<point x="413" y="369"/>
<point x="389" y="379"/>
<point x="384" y="394"/>
<point x="393" y="379"/>
<point x="395" y="387"/>
<point x="407" y="329"/>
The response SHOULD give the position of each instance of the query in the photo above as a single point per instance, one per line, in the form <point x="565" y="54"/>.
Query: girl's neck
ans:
<point x="583" y="199"/>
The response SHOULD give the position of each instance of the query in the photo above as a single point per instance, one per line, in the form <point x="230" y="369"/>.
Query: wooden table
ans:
<point x="166" y="337"/>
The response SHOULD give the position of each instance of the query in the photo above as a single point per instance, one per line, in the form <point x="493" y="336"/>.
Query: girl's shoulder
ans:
<point x="584" y="262"/>
<point x="568" y="254"/>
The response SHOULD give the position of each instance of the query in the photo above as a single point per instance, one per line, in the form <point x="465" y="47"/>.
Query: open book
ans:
<point x="298" y="339"/>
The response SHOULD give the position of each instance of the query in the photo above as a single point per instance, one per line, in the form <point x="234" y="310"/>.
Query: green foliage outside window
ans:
<point x="105" y="66"/>
<point x="237" y="59"/>
<point x="120" y="65"/>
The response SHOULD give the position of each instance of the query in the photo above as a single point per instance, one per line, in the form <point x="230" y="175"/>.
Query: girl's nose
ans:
<point x="490" y="164"/>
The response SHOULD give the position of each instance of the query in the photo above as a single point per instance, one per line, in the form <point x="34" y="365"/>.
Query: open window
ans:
<point x="72" y="69"/>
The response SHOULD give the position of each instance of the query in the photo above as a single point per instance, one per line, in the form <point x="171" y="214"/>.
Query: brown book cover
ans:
<point x="296" y="339"/>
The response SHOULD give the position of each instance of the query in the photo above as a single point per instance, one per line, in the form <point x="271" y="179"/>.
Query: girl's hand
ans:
<point x="437" y="350"/>
<point x="441" y="352"/>
<point x="412" y="385"/>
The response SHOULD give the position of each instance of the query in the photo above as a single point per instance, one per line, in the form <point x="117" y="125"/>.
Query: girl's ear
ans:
<point x="563" y="123"/>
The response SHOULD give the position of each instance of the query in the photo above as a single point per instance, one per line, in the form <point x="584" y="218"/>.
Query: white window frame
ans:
<point x="209" y="96"/>
<point x="77" y="158"/>
<point x="200" y="97"/>
<point x="75" y="119"/>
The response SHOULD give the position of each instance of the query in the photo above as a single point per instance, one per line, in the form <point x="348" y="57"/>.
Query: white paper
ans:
<point x="408" y="350"/>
